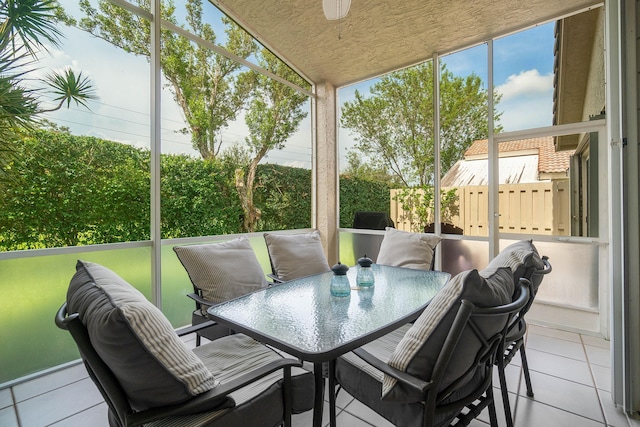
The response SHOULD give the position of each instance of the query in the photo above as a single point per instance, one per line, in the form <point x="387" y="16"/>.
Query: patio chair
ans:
<point x="524" y="261"/>
<point x="410" y="250"/>
<point x="219" y="272"/>
<point x="295" y="255"/>
<point x="438" y="370"/>
<point x="148" y="376"/>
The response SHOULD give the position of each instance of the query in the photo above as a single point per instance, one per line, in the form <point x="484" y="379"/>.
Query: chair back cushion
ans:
<point x="524" y="261"/>
<point x="420" y="347"/>
<point x="404" y="249"/>
<point x="296" y="255"/>
<point x="134" y="338"/>
<point x="222" y="271"/>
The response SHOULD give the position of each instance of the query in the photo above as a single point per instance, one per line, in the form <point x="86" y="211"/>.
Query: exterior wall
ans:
<point x="595" y="92"/>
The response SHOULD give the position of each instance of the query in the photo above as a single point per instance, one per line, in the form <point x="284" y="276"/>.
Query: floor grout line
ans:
<point x="15" y="408"/>
<point x="593" y="379"/>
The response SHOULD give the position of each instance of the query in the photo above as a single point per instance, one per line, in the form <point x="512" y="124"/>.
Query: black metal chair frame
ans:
<point x="273" y="276"/>
<point x="120" y="411"/>
<point x="447" y="401"/>
<point x="214" y="330"/>
<point x="514" y="343"/>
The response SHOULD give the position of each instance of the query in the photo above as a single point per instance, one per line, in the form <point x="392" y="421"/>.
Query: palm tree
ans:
<point x="25" y="27"/>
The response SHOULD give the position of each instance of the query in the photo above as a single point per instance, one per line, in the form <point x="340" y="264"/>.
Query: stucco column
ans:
<point x="326" y="170"/>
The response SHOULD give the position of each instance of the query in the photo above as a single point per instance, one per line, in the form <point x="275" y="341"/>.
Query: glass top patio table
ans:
<point x="303" y="318"/>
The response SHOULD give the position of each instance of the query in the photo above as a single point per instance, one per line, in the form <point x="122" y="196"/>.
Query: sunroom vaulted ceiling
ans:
<point x="379" y="36"/>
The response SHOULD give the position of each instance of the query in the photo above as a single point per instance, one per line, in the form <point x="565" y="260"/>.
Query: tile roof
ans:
<point x="549" y="160"/>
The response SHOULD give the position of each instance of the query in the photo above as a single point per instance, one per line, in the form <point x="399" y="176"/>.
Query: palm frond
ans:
<point x="71" y="87"/>
<point x="17" y="104"/>
<point x="33" y="21"/>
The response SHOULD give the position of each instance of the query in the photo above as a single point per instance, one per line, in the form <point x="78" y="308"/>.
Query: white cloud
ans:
<point x="526" y="112"/>
<point x="527" y="83"/>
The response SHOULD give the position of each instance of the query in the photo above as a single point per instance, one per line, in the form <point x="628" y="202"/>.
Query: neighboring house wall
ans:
<point x="594" y="102"/>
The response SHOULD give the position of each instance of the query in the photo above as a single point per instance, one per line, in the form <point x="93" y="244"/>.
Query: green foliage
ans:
<point x="198" y="198"/>
<point x="394" y="128"/>
<point x="369" y="171"/>
<point x="69" y="191"/>
<point x="284" y="196"/>
<point x="358" y="194"/>
<point x="69" y="87"/>
<point x="28" y="23"/>
<point x="73" y="191"/>
<point x="418" y="205"/>
<point x="25" y="27"/>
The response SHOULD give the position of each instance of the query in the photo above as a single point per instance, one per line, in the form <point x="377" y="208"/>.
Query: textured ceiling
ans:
<point x="379" y="36"/>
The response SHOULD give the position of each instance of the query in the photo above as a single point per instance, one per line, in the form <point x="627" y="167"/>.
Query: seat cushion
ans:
<point x="232" y="356"/>
<point x="410" y="250"/>
<point x="523" y="259"/>
<point x="364" y="382"/>
<point x="222" y="271"/>
<point x="296" y="255"/>
<point x="229" y="358"/>
<point x="419" y="348"/>
<point x="135" y="339"/>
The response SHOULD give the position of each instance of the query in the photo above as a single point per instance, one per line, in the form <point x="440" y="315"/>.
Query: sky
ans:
<point x="523" y="75"/>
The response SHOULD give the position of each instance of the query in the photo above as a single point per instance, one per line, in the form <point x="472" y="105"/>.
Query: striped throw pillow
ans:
<point x="223" y="270"/>
<point x="418" y="350"/>
<point x="135" y="340"/>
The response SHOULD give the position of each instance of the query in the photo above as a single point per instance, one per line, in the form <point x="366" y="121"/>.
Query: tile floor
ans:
<point x="570" y="375"/>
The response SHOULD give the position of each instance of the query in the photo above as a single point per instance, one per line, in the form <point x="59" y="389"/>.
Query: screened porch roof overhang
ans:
<point x="379" y="36"/>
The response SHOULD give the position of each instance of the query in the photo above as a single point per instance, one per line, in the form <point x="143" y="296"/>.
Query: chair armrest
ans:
<point x="418" y="384"/>
<point x="276" y="279"/>
<point x="547" y="265"/>
<point x="211" y="399"/>
<point x="197" y="298"/>
<point x="194" y="328"/>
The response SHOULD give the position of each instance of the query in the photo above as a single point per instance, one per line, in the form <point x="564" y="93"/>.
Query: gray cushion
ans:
<point x="222" y="271"/>
<point x="523" y="259"/>
<point x="418" y="350"/>
<point x="135" y="340"/>
<point x="233" y="356"/>
<point x="410" y="250"/>
<point x="364" y="382"/>
<point x="296" y="255"/>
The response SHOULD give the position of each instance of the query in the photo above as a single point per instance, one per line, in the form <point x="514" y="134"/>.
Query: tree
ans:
<point x="358" y="168"/>
<point x="274" y="114"/>
<point x="394" y="125"/>
<point x="25" y="27"/>
<point x="284" y="196"/>
<point x="208" y="87"/>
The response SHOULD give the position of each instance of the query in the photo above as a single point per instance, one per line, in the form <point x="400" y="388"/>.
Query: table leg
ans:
<point x="332" y="393"/>
<point x="319" y="397"/>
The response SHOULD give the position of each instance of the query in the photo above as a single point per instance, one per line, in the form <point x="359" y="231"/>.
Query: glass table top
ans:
<point x="303" y="317"/>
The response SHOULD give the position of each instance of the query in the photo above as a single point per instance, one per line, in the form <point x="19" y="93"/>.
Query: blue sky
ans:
<point x="522" y="74"/>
